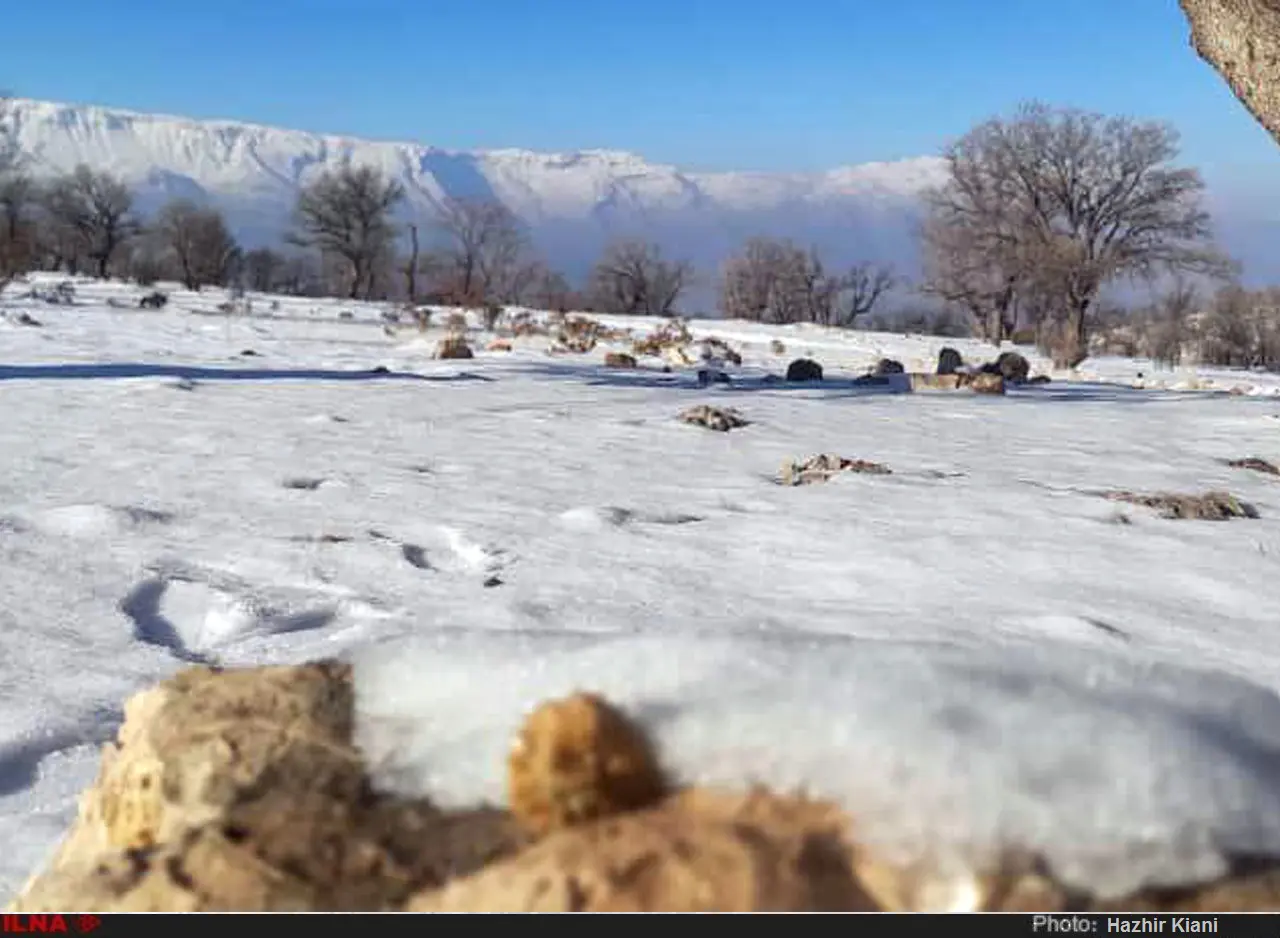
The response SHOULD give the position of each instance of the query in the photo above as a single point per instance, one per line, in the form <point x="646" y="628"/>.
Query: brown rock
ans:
<point x="455" y="346"/>
<point x="719" y="348"/>
<point x="1210" y="506"/>
<point x="194" y="744"/>
<point x="697" y="852"/>
<point x="938" y="382"/>
<point x="1256" y="463"/>
<point x="498" y="345"/>
<point x="722" y="419"/>
<point x="241" y="790"/>
<point x="822" y="467"/>
<point x="1246" y="890"/>
<point x="576" y="760"/>
<point x="985" y="383"/>
<point x="620" y="360"/>
<point x="672" y="335"/>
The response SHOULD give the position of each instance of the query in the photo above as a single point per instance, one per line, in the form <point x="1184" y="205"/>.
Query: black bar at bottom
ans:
<point x="1234" y="925"/>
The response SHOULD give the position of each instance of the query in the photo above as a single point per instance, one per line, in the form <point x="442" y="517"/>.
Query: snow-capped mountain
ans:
<point x="572" y="202"/>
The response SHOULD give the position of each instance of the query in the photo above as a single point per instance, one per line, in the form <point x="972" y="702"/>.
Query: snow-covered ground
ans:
<point x="970" y="651"/>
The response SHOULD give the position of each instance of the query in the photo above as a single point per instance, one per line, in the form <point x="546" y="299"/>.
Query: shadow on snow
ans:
<point x="108" y="370"/>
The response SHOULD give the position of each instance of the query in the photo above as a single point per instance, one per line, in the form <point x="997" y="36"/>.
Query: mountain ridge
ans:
<point x="572" y="201"/>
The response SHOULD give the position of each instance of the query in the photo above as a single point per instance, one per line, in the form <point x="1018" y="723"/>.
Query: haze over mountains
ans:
<point x="572" y="202"/>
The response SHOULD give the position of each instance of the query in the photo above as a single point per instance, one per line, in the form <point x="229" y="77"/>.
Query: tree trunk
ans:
<point x="1074" y="340"/>
<point x="411" y="269"/>
<point x="357" y="278"/>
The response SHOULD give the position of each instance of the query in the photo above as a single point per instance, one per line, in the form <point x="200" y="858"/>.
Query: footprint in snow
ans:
<point x="94" y="520"/>
<point x="447" y="550"/>
<point x="592" y="518"/>
<point x="192" y="617"/>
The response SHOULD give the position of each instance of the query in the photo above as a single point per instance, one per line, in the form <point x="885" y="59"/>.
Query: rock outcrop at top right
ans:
<point x="1241" y="40"/>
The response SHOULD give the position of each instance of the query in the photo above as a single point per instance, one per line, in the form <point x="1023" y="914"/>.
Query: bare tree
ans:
<point x="300" y="275"/>
<point x="551" y="290"/>
<point x="147" y="259"/>
<point x="18" y="196"/>
<point x="94" y="214"/>
<point x="262" y="269"/>
<point x="1169" y="324"/>
<point x="1065" y="202"/>
<point x="484" y="244"/>
<point x="777" y="281"/>
<point x="750" y="281"/>
<point x="411" y="268"/>
<point x="862" y="287"/>
<point x="347" y="214"/>
<point x="200" y="242"/>
<point x="1226" y="332"/>
<point x="632" y="277"/>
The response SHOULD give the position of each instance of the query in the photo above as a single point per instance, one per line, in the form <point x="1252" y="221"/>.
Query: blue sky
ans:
<point x="703" y="84"/>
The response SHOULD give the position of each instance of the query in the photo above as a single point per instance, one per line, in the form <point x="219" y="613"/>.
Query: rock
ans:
<point x="722" y="419"/>
<point x="777" y="347"/>
<point x="980" y="382"/>
<point x="938" y="382"/>
<point x="499" y="345"/>
<point x="1211" y="506"/>
<point x="984" y="383"/>
<point x="718" y="349"/>
<point x="620" y="360"/>
<point x="1011" y="366"/>
<point x="671" y="336"/>
<point x="242" y="791"/>
<point x="1039" y="379"/>
<point x="697" y="852"/>
<point x="454" y="346"/>
<point x="949" y="361"/>
<point x="887" y="366"/>
<point x="804" y="369"/>
<point x="822" y="467"/>
<point x="576" y="760"/>
<point x="1257" y="464"/>
<point x="1240" y="39"/>
<point x="677" y="356"/>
